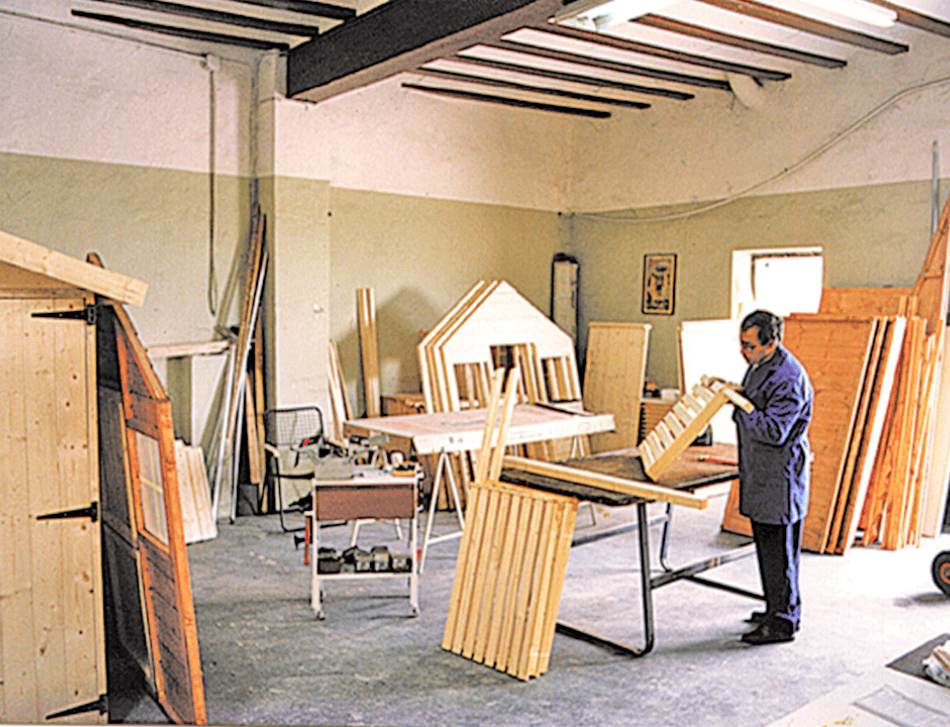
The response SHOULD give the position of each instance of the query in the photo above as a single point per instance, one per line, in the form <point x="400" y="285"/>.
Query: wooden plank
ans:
<point x="540" y="581"/>
<point x="834" y="352"/>
<point x="862" y="301"/>
<point x="369" y="354"/>
<point x="615" y="484"/>
<point x="201" y="492"/>
<point x="613" y="380"/>
<point x="874" y="430"/>
<point x="935" y="491"/>
<point x="865" y="391"/>
<point x="526" y="509"/>
<point x="183" y="350"/>
<point x="26" y="255"/>
<point x="506" y="563"/>
<point x="189" y="511"/>
<point x="517" y="647"/>
<point x="562" y="551"/>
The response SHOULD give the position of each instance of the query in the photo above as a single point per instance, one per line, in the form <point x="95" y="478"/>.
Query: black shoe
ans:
<point x="774" y="631"/>
<point x="760" y="617"/>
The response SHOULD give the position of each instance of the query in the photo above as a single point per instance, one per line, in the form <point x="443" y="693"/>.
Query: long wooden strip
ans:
<point x="535" y="564"/>
<point x="545" y="566"/>
<point x="481" y="566"/>
<point x="846" y="483"/>
<point x="563" y="549"/>
<point x="527" y="506"/>
<point x="524" y="592"/>
<point x="873" y="431"/>
<point x="615" y="484"/>
<point x="369" y="349"/>
<point x="455" y="602"/>
<point x="505" y="562"/>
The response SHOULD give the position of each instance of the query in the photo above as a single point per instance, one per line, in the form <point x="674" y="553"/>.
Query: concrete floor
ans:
<point x="266" y="660"/>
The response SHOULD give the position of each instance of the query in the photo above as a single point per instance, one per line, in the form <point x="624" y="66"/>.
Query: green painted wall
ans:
<point x="151" y="224"/>
<point x="420" y="256"/>
<point x="871" y="236"/>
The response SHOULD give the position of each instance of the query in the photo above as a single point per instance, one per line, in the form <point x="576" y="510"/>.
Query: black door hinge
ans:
<point x="89" y="314"/>
<point x="91" y="512"/>
<point x="101" y="704"/>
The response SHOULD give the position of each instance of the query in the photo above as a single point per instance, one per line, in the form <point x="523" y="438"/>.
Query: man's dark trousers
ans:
<point x="779" y="552"/>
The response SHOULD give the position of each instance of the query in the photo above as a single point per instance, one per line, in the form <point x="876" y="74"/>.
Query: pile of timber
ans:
<point x="197" y="520"/>
<point x="876" y="358"/>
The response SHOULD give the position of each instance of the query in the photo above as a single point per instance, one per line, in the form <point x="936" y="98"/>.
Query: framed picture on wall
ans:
<point x="659" y="284"/>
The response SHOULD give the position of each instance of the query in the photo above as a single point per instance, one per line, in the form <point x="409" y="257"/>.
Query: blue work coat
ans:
<point x="774" y="456"/>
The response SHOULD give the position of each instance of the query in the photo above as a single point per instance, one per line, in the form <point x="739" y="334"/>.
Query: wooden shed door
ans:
<point x="52" y="653"/>
<point x="149" y="532"/>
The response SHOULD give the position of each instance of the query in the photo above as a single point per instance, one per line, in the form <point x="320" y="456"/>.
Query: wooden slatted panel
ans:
<point x="515" y="559"/>
<point x="613" y="380"/>
<point x="835" y="354"/>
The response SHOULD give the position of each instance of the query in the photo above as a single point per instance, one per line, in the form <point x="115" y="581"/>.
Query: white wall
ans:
<point x="713" y="146"/>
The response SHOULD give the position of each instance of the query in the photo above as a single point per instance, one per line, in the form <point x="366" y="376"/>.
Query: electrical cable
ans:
<point x="807" y="159"/>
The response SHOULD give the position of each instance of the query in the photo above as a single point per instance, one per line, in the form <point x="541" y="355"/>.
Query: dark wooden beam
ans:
<point x="217" y="16"/>
<point x="735" y="41"/>
<point x="545" y="90"/>
<point x="506" y="101"/>
<point x="634" y="46"/>
<point x="752" y="9"/>
<point x="575" y="78"/>
<point x="401" y="35"/>
<point x="306" y="7"/>
<point x="627" y="68"/>
<point x="183" y="32"/>
<point x="916" y="20"/>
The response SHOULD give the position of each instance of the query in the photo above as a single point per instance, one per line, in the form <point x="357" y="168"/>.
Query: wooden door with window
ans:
<point x="154" y="617"/>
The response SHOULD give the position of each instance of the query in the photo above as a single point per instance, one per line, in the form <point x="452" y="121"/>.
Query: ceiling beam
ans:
<point x="735" y="41"/>
<point x="183" y="32"/>
<point x="217" y="16"/>
<point x="752" y="9"/>
<point x="574" y="78"/>
<point x="635" y="46"/>
<point x="628" y="68"/>
<point x="507" y="101"/>
<point x="306" y="7"/>
<point x="916" y="20"/>
<point x="544" y="90"/>
<point x="401" y="35"/>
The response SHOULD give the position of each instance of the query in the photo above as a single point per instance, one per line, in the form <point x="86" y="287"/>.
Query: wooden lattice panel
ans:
<point x="684" y="422"/>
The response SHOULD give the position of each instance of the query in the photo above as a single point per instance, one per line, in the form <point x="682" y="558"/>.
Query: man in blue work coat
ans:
<point x="774" y="465"/>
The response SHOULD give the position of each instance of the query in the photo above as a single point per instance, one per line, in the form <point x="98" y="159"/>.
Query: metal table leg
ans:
<point x="648" y="582"/>
<point x="443" y="468"/>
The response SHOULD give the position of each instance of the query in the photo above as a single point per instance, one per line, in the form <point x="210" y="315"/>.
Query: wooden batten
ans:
<point x="25" y="265"/>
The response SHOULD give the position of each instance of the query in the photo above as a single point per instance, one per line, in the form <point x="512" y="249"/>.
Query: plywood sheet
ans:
<point x="834" y="353"/>
<point x="613" y="380"/>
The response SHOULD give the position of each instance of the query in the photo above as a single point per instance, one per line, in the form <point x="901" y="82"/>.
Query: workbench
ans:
<point x="697" y="468"/>
<point x="446" y="433"/>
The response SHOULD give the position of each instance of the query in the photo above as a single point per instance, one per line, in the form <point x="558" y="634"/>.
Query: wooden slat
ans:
<point x="615" y="484"/>
<point x="369" y="353"/>
<point x="29" y="256"/>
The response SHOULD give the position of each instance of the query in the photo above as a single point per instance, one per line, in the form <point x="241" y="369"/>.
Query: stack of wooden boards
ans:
<point x="197" y="519"/>
<point x="875" y="359"/>
<point x="684" y="422"/>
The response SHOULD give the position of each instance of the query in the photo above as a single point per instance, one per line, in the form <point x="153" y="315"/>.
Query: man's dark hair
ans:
<point x="768" y="324"/>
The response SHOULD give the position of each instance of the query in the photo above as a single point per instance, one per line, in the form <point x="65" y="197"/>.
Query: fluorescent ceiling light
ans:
<point x="601" y="14"/>
<point x="864" y="12"/>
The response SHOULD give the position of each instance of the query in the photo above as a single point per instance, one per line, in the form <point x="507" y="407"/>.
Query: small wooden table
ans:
<point x="371" y="493"/>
